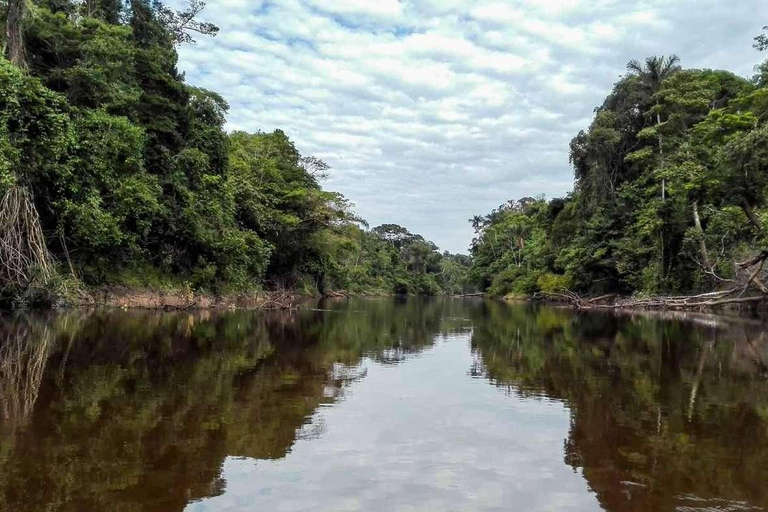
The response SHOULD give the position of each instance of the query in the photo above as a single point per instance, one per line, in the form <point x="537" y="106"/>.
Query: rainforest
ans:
<point x="669" y="195"/>
<point x="380" y="372"/>
<point x="114" y="171"/>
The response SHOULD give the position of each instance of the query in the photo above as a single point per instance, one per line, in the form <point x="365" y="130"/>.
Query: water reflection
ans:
<point x="142" y="411"/>
<point x="138" y="410"/>
<point x="24" y="352"/>
<point x="666" y="413"/>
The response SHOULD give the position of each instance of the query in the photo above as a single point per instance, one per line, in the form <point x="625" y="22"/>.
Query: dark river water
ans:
<point x="383" y="405"/>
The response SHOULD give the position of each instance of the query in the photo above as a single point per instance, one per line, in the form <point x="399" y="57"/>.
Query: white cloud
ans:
<point x="386" y="9"/>
<point x="431" y="111"/>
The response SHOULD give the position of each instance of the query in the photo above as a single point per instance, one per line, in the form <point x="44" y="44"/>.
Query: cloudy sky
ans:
<point x="431" y="111"/>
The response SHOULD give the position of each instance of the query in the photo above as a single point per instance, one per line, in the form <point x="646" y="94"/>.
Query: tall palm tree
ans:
<point x="655" y="70"/>
<point x="652" y="74"/>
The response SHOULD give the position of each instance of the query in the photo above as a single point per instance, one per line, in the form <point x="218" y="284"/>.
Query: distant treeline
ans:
<point x="671" y="182"/>
<point x="113" y="170"/>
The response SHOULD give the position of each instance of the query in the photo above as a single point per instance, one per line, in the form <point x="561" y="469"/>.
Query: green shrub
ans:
<point x="553" y="283"/>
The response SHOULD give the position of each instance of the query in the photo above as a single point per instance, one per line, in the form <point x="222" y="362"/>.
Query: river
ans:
<point x="383" y="405"/>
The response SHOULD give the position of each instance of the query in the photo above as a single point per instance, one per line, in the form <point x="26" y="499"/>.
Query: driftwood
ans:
<point x="750" y="290"/>
<point x="280" y="298"/>
<point x="702" y="301"/>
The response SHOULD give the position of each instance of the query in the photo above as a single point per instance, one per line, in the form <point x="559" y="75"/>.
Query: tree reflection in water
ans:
<point x="666" y="410"/>
<point x="137" y="411"/>
<point x="24" y="351"/>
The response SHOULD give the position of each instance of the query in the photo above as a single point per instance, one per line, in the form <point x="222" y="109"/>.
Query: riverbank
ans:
<point x="178" y="298"/>
<point x="127" y="297"/>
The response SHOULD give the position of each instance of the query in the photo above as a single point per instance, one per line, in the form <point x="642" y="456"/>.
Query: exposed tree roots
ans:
<point x="24" y="255"/>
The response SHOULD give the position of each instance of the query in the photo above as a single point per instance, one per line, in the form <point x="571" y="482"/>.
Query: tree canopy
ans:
<point x="669" y="194"/>
<point x="136" y="181"/>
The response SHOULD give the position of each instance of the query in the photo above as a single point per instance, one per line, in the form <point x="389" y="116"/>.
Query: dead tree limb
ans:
<point x="702" y="242"/>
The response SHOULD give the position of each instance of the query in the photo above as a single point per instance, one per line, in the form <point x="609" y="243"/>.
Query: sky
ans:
<point x="432" y="111"/>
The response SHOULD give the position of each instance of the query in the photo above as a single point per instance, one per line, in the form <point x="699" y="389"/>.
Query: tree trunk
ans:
<point x="661" y="152"/>
<point x="663" y="195"/>
<point x="751" y="215"/>
<point x="702" y="243"/>
<point x="14" y="33"/>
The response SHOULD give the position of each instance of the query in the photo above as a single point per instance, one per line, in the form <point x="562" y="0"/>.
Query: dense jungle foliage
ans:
<point x="136" y="181"/>
<point x="671" y="181"/>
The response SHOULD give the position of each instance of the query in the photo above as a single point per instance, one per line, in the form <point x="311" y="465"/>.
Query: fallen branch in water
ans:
<point x="701" y="301"/>
<point x="749" y="279"/>
<point x="280" y="298"/>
